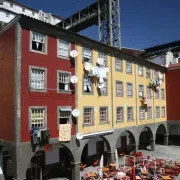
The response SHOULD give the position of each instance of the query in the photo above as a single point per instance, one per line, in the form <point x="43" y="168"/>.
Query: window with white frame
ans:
<point x="37" y="80"/>
<point x="7" y="14"/>
<point x="87" y="84"/>
<point x="162" y="75"/>
<point x="120" y="114"/>
<point x="104" y="57"/>
<point x="37" y="118"/>
<point x="119" y="88"/>
<point x="104" y="90"/>
<point x="156" y="75"/>
<point x="157" y="112"/>
<point x="118" y="64"/>
<point x="148" y="73"/>
<point x="23" y="9"/>
<point x="63" y="48"/>
<point x="128" y="67"/>
<point x="64" y="115"/>
<point x="162" y="94"/>
<point x="141" y="113"/>
<point x="38" y="42"/>
<point x="141" y="90"/>
<point x="148" y="92"/>
<point x="33" y="13"/>
<point x="129" y="89"/>
<point x="87" y="54"/>
<point x="129" y="113"/>
<point x="11" y="5"/>
<point x="140" y="70"/>
<point x="149" y="112"/>
<point x="103" y="115"/>
<point x="157" y="94"/>
<point x="88" y="116"/>
<point x="163" y="112"/>
<point x="64" y="81"/>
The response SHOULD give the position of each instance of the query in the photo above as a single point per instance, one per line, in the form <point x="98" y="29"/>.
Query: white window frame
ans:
<point x="36" y="119"/>
<point x="39" y="38"/>
<point x="149" y="112"/>
<point x="104" y="91"/>
<point x="66" y="81"/>
<point x="64" y="109"/>
<point x="104" y="57"/>
<point x="157" y="113"/>
<point x="141" y="90"/>
<point x="119" y="114"/>
<point x="129" y="90"/>
<point x="130" y="114"/>
<point x="148" y="73"/>
<point x="67" y="49"/>
<point x="163" y="111"/>
<point x="118" y="64"/>
<point x="140" y="70"/>
<point x="141" y="113"/>
<point x="44" y="70"/>
<point x="103" y="117"/>
<point x="157" y="94"/>
<point x="162" y="94"/>
<point x="119" y="89"/>
<point x="89" y="114"/>
<point x="87" y="54"/>
<point x="87" y="84"/>
<point x="156" y="73"/>
<point x="148" y="92"/>
<point x="128" y="67"/>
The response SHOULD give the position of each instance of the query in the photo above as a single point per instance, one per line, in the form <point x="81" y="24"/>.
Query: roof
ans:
<point x="30" y="23"/>
<point x="17" y="3"/>
<point x="174" y="66"/>
<point x="136" y="52"/>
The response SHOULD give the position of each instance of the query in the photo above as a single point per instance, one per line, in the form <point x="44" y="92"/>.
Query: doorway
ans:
<point x="123" y="143"/>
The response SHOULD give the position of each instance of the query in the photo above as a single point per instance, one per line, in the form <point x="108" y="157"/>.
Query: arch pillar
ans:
<point x="166" y="139"/>
<point x="152" y="142"/>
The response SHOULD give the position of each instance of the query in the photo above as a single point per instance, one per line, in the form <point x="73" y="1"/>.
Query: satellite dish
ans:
<point x="79" y="136"/>
<point x="75" y="112"/>
<point x="73" y="53"/>
<point x="87" y="66"/>
<point x="74" y="79"/>
<point x="100" y="61"/>
<point x="166" y="65"/>
<point x="100" y="85"/>
<point x="160" y="76"/>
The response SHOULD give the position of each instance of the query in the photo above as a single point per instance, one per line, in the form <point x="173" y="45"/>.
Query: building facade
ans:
<point x="120" y="106"/>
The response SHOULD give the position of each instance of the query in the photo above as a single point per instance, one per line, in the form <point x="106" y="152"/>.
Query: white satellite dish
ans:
<point x="160" y="76"/>
<point x="74" y="79"/>
<point x="100" y="61"/>
<point x="75" y="112"/>
<point x="79" y="136"/>
<point x="100" y="85"/>
<point x="87" y="66"/>
<point x="73" y="53"/>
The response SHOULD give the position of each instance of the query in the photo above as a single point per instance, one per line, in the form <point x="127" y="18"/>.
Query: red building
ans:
<point x="35" y="92"/>
<point x="173" y="98"/>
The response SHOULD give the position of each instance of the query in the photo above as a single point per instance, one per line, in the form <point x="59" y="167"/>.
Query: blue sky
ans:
<point x="144" y="23"/>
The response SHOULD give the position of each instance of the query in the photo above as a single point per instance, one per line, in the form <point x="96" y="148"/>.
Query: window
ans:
<point x="104" y="57"/>
<point x="141" y="90"/>
<point x="87" y="84"/>
<point x="140" y="70"/>
<point x="148" y="73"/>
<point x="64" y="115"/>
<point x="7" y="14"/>
<point x="103" y="115"/>
<point x="118" y="64"/>
<point x="157" y="112"/>
<point x="87" y="54"/>
<point x="23" y="9"/>
<point x="37" y="79"/>
<point x="148" y="92"/>
<point x="63" y="83"/>
<point x="130" y="114"/>
<point x="157" y="94"/>
<point x="11" y="5"/>
<point x="141" y="113"/>
<point x="120" y="114"/>
<point x="162" y="94"/>
<point x="149" y="112"/>
<point x="63" y="48"/>
<point x="129" y="90"/>
<point x="33" y="13"/>
<point x="38" y="42"/>
<point x="104" y="90"/>
<point x="37" y="118"/>
<point x="88" y="116"/>
<point x="162" y="75"/>
<point x="119" y="88"/>
<point x="128" y="67"/>
<point x="155" y="75"/>
<point x="163" y="112"/>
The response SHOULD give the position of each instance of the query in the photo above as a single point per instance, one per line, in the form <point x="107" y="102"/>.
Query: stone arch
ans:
<point x="161" y="133"/>
<point x="146" y="138"/>
<point x="99" y="145"/>
<point x="174" y="136"/>
<point x="126" y="142"/>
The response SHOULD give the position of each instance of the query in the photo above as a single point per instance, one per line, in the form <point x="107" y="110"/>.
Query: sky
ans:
<point x="144" y="23"/>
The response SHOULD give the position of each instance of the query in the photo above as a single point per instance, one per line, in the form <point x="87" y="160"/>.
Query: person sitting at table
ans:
<point x="143" y="169"/>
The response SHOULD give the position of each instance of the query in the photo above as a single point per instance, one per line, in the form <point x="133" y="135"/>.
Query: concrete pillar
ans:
<point x="166" y="139"/>
<point x="152" y="141"/>
<point x="76" y="171"/>
<point x="111" y="157"/>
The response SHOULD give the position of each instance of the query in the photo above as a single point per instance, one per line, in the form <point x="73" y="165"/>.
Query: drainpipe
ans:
<point x="112" y="97"/>
<point x="136" y="95"/>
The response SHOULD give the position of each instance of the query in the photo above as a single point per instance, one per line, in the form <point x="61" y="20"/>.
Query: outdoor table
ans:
<point x="91" y="174"/>
<point x="138" y="178"/>
<point x="166" y="177"/>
